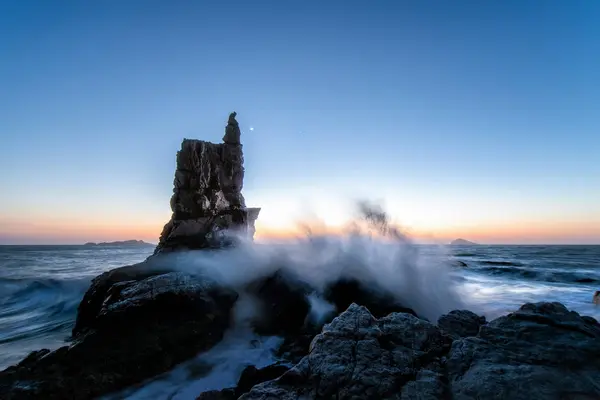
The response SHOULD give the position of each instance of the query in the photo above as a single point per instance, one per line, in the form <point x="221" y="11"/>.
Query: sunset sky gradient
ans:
<point x="475" y="119"/>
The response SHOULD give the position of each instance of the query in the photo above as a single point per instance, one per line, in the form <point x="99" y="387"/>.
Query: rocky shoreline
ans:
<point x="139" y="321"/>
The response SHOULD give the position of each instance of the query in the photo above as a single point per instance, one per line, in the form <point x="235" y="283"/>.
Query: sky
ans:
<point x="463" y="119"/>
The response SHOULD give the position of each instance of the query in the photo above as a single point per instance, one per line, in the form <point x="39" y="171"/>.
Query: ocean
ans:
<point x="41" y="287"/>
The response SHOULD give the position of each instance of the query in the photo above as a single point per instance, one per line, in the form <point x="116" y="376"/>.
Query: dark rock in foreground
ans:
<point x="542" y="351"/>
<point x="460" y="323"/>
<point x="131" y="331"/>
<point x="358" y="356"/>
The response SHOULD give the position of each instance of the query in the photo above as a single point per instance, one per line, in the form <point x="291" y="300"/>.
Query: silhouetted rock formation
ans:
<point x="207" y="196"/>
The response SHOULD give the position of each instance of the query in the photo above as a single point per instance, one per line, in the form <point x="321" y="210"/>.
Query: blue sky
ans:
<point x="466" y="117"/>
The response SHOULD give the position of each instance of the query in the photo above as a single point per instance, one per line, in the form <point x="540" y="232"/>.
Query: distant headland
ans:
<point x="462" y="242"/>
<point x="133" y="243"/>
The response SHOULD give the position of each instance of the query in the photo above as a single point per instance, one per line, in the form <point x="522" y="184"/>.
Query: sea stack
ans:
<point x="207" y="201"/>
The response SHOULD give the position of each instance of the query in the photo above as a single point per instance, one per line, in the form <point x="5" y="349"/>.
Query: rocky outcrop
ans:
<point x="358" y="356"/>
<point x="126" y="331"/>
<point x="207" y="199"/>
<point x="541" y="351"/>
<point x="460" y="323"/>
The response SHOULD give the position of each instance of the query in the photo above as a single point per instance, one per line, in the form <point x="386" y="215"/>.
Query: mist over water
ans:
<point x="372" y="252"/>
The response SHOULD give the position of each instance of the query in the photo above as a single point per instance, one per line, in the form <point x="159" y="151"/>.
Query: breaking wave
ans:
<point x="373" y="252"/>
<point x="543" y="275"/>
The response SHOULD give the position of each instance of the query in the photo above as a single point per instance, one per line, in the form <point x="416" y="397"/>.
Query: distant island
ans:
<point x="462" y="242"/>
<point x="133" y="243"/>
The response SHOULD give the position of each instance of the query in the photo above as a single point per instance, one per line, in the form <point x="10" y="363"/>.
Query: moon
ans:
<point x="251" y="128"/>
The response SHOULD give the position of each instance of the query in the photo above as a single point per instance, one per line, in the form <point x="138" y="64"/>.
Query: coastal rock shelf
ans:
<point x="207" y="196"/>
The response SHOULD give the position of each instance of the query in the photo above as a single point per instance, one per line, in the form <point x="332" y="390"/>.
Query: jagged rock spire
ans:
<point x="207" y="195"/>
<point x="232" y="130"/>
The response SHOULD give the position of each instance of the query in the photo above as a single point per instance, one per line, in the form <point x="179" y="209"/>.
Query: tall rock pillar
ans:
<point x="207" y="201"/>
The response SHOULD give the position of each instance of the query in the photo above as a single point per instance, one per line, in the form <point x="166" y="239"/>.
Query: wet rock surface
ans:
<point x="541" y="351"/>
<point x="141" y="329"/>
<point x="359" y="356"/>
<point x="460" y="323"/>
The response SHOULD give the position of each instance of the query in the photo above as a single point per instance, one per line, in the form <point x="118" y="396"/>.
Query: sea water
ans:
<point x="41" y="287"/>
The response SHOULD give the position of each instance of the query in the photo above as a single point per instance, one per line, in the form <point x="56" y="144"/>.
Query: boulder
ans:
<point x="131" y="331"/>
<point x="460" y="323"/>
<point x="359" y="356"/>
<point x="94" y="297"/>
<point x="541" y="351"/>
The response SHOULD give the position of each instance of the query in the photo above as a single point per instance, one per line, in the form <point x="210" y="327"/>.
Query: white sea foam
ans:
<point x="373" y="253"/>
<point x="218" y="368"/>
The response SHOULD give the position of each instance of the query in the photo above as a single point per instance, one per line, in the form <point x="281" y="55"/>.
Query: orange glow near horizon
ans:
<point x="57" y="230"/>
<point x="523" y="232"/>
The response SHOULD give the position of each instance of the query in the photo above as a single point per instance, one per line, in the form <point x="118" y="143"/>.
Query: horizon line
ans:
<point x="288" y="240"/>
